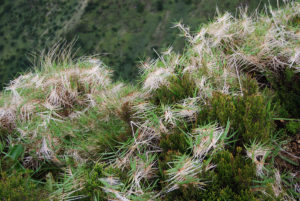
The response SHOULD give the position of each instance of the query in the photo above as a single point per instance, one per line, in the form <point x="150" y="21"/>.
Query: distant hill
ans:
<point x="123" y="32"/>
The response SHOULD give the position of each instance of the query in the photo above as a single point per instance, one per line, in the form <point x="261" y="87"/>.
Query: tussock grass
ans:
<point x="201" y="125"/>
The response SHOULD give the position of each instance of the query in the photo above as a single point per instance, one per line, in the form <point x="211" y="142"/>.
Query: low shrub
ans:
<point x="250" y="114"/>
<point x="231" y="180"/>
<point x="287" y="88"/>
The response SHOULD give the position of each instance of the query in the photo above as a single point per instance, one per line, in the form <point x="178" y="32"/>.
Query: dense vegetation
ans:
<point x="217" y="122"/>
<point x="123" y="32"/>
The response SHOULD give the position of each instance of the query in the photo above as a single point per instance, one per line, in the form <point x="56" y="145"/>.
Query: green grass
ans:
<point x="210" y="123"/>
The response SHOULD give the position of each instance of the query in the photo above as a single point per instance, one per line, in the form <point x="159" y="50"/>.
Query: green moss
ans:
<point x="18" y="187"/>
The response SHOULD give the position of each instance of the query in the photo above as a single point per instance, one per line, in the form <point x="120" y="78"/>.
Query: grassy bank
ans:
<point x="218" y="122"/>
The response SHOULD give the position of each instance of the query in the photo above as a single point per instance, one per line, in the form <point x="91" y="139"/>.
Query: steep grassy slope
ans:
<point x="217" y="122"/>
<point x="124" y="31"/>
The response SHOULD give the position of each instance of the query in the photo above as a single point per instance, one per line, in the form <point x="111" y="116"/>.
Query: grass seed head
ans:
<point x="184" y="170"/>
<point x="157" y="79"/>
<point x="258" y="153"/>
<point x="205" y="140"/>
<point x="8" y="119"/>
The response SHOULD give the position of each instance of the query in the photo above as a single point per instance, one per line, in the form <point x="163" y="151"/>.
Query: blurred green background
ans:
<point x="121" y="32"/>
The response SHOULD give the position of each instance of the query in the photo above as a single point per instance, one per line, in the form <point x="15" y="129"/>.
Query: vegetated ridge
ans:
<point x="218" y="122"/>
<point x="122" y="32"/>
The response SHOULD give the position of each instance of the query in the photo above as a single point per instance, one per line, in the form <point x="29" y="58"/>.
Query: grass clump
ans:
<point x="205" y="125"/>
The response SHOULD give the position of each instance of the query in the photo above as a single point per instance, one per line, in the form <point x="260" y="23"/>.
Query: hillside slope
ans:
<point x="123" y="32"/>
<point x="218" y="122"/>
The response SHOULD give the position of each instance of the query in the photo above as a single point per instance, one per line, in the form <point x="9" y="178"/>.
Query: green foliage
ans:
<point x="125" y="32"/>
<point x="180" y="87"/>
<point x="24" y="31"/>
<point x="234" y="171"/>
<point x="250" y="115"/>
<point x="140" y="7"/>
<point x="159" y="5"/>
<point x="10" y="160"/>
<point x="293" y="127"/>
<point x="287" y="88"/>
<point x="104" y="135"/>
<point x="175" y="142"/>
<point x="186" y="192"/>
<point x="18" y="187"/>
<point x="231" y="180"/>
<point x="95" y="183"/>
<point x="172" y="145"/>
<point x="197" y="128"/>
<point x="15" y="152"/>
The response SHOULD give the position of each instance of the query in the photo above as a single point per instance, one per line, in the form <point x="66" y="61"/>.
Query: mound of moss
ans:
<point x="213" y="123"/>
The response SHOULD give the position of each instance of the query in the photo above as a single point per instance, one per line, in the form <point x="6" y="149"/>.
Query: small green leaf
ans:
<point x="1" y="147"/>
<point x="15" y="152"/>
<point x="288" y="160"/>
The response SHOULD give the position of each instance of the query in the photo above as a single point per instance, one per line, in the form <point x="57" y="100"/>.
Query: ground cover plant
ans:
<point x="217" y="122"/>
